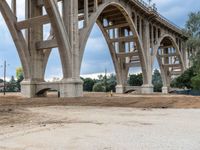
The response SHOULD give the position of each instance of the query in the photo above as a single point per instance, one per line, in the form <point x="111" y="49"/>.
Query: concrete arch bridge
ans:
<point x="135" y="32"/>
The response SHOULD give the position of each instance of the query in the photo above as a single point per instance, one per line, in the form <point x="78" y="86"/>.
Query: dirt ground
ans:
<point x="98" y="121"/>
<point x="104" y="99"/>
<point x="13" y="104"/>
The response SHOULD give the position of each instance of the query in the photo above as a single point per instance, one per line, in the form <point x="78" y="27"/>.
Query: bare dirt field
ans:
<point x="100" y="122"/>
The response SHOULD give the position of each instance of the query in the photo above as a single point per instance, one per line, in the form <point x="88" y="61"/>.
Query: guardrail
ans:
<point x="153" y="7"/>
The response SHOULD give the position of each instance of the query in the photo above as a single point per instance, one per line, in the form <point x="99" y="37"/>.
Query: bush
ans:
<point x="157" y="81"/>
<point x="184" y="80"/>
<point x="88" y="84"/>
<point x="135" y="80"/>
<point x="196" y="82"/>
<point x="98" y="87"/>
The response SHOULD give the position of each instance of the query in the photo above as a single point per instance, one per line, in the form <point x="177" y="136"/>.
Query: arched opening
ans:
<point x="169" y="60"/>
<point x="48" y="92"/>
<point x="122" y="39"/>
<point x="53" y="71"/>
<point x="96" y="54"/>
<point x="8" y="53"/>
<point x="157" y="81"/>
<point x="97" y="68"/>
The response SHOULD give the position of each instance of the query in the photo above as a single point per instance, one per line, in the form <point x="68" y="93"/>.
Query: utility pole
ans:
<point x="4" y="83"/>
<point x="105" y="78"/>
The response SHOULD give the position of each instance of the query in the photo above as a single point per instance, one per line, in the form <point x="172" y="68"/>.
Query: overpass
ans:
<point x="135" y="32"/>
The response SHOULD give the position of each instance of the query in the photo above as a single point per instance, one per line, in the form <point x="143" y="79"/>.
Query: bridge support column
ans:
<point x="33" y="34"/>
<point x="120" y="89"/>
<point x="72" y="85"/>
<point x="28" y="89"/>
<point x="71" y="88"/>
<point x="122" y="73"/>
<point x="165" y="89"/>
<point x="147" y="87"/>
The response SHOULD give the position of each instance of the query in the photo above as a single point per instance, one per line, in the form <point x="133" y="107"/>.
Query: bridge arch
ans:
<point x="127" y="15"/>
<point x="169" y="58"/>
<point x="173" y="42"/>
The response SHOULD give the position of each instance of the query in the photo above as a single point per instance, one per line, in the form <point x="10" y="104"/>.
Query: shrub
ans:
<point x="196" y="82"/>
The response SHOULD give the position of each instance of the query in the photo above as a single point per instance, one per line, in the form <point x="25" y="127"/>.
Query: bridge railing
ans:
<point x="154" y="8"/>
<point x="170" y="22"/>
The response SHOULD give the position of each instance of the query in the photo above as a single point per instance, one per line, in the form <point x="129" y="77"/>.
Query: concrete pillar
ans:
<point x="165" y="89"/>
<point x="147" y="87"/>
<point x="28" y="88"/>
<point x="33" y="35"/>
<point x="122" y="75"/>
<point x="120" y="89"/>
<point x="86" y="13"/>
<point x="14" y="8"/>
<point x="72" y="86"/>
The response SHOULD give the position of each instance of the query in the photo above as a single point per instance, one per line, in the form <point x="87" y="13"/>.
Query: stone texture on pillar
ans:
<point x="165" y="90"/>
<point x="120" y="89"/>
<point x="71" y="88"/>
<point x="147" y="89"/>
<point x="28" y="89"/>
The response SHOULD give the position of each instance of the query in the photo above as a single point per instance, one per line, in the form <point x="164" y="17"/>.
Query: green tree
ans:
<point x="98" y="87"/>
<point x="190" y="77"/>
<point x="184" y="80"/>
<point x="193" y="43"/>
<point x="196" y="82"/>
<point x="11" y="85"/>
<point x="19" y="72"/>
<point x="111" y="83"/>
<point x="88" y="84"/>
<point x="19" y="80"/>
<point x="157" y="81"/>
<point x="135" y="80"/>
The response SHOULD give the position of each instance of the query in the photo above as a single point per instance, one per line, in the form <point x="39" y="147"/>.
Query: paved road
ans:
<point x="102" y="128"/>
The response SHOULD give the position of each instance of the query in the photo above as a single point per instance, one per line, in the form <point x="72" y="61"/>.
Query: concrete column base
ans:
<point x="165" y="90"/>
<point x="28" y="89"/>
<point x="147" y="89"/>
<point x="71" y="88"/>
<point x="120" y="89"/>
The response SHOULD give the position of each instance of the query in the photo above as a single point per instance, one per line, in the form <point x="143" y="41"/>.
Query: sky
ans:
<point x="96" y="57"/>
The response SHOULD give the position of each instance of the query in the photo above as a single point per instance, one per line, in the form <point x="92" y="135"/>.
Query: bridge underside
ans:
<point x="136" y="35"/>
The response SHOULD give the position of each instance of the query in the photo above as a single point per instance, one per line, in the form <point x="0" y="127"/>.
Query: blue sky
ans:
<point x="96" y="56"/>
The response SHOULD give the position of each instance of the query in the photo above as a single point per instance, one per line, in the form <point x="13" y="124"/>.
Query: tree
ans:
<point x="196" y="82"/>
<point x="135" y="80"/>
<point x="193" y="43"/>
<point x="111" y="83"/>
<point x="19" y="72"/>
<point x="157" y="81"/>
<point x="11" y="87"/>
<point x="184" y="80"/>
<point x="88" y="84"/>
<point x="190" y="78"/>
<point x="20" y="78"/>
<point x="98" y="87"/>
